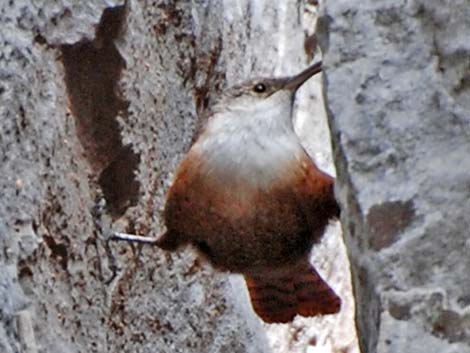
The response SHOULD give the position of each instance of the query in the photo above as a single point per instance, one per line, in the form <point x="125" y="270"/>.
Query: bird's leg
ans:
<point x="167" y="241"/>
<point x="132" y="238"/>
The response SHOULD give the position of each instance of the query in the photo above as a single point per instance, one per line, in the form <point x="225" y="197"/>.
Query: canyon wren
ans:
<point x="249" y="198"/>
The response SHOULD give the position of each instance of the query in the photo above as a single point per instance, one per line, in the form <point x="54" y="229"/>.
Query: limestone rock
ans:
<point x="397" y="90"/>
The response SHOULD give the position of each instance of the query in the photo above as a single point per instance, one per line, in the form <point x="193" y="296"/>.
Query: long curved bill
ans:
<point x="294" y="82"/>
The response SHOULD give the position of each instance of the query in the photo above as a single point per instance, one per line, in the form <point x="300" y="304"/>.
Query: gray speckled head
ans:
<point x="248" y="93"/>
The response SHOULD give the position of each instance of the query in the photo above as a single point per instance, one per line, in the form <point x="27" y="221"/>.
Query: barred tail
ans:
<point x="277" y="299"/>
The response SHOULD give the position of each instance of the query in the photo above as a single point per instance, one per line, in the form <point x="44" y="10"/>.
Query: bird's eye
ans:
<point x="259" y="88"/>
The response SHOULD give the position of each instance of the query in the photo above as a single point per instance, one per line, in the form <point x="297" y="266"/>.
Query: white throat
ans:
<point x="250" y="146"/>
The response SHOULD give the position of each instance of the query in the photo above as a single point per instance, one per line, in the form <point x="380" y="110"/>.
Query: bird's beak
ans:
<point x="294" y="82"/>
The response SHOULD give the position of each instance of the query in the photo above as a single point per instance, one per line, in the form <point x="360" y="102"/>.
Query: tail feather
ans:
<point x="273" y="301"/>
<point x="314" y="295"/>
<point x="277" y="299"/>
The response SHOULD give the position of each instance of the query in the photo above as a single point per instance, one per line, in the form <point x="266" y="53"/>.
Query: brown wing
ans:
<point x="316" y="195"/>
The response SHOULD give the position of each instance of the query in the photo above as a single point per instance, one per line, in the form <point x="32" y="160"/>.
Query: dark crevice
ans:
<point x="118" y="182"/>
<point x="92" y="73"/>
<point x="58" y="251"/>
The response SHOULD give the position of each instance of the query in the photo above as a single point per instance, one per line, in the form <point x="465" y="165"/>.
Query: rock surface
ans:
<point x="397" y="87"/>
<point x="98" y="103"/>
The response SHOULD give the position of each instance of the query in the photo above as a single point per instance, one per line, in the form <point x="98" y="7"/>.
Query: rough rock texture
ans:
<point x="98" y="103"/>
<point x="397" y="86"/>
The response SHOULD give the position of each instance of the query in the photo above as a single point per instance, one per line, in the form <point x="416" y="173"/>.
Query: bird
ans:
<point x="251" y="201"/>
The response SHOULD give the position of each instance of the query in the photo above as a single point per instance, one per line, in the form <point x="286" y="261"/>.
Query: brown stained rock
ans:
<point x="387" y="221"/>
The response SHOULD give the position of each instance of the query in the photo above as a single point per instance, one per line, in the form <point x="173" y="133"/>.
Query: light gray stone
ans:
<point x="397" y="90"/>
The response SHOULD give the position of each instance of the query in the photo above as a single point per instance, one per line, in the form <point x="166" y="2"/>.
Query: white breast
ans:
<point x="249" y="150"/>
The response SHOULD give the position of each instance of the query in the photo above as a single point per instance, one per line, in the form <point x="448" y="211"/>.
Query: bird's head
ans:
<point x="264" y="95"/>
